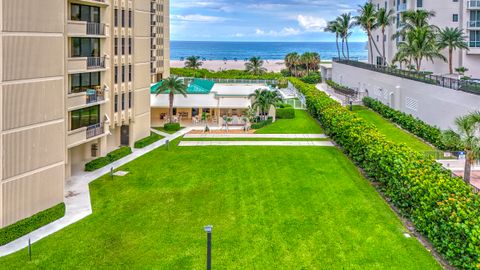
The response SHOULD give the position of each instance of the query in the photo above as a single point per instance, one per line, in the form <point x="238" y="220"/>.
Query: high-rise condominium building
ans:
<point x="74" y="85"/>
<point x="463" y="14"/>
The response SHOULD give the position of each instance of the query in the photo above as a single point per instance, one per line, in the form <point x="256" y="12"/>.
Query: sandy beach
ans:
<point x="217" y="65"/>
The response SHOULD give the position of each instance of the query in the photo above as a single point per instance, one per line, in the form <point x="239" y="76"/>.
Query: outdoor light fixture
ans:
<point x="208" y="229"/>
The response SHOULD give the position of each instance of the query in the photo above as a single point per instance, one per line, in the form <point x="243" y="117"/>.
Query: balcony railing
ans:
<point x="470" y="86"/>
<point x="94" y="96"/>
<point x="95" y="29"/>
<point x="474" y="4"/>
<point x="474" y="44"/>
<point x="402" y="7"/>
<point x="473" y="24"/>
<point x="95" y="130"/>
<point x="95" y="62"/>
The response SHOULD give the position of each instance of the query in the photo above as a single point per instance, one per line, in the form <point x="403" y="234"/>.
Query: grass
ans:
<point x="30" y="224"/>
<point x="391" y="131"/>
<point x="282" y="207"/>
<point x="254" y="139"/>
<point x="161" y="129"/>
<point x="302" y="124"/>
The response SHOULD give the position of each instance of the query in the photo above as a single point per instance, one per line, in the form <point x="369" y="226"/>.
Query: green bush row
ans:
<point x="442" y="207"/>
<point x="341" y="88"/>
<point x="285" y="113"/>
<point x="226" y="74"/>
<point x="408" y="122"/>
<point x="109" y="158"/>
<point x="262" y="124"/>
<point x="30" y="224"/>
<point x="148" y="140"/>
<point x="313" y="78"/>
<point x="172" y="127"/>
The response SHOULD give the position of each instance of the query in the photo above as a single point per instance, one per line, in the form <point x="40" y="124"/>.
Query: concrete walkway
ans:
<point x="326" y="89"/>
<point x="256" y="143"/>
<point x="77" y="197"/>
<point x="159" y="132"/>
<point x="256" y="136"/>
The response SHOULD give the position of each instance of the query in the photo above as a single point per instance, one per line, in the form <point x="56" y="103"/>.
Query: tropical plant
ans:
<point x="384" y="19"/>
<point x="193" y="62"/>
<point x="368" y="21"/>
<point x="172" y="85"/>
<point x="264" y="100"/>
<point x="461" y="70"/>
<point x="292" y="60"/>
<point x="345" y="25"/>
<point x="255" y="66"/>
<point x="334" y="27"/>
<point x="413" y="19"/>
<point x="302" y="65"/>
<point x="467" y="138"/>
<point x="451" y="39"/>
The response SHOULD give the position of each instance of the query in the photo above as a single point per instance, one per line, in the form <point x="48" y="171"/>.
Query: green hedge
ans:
<point x="313" y="78"/>
<point x="341" y="88"/>
<point x="285" y="113"/>
<point x="262" y="124"/>
<point x="110" y="158"/>
<point x="172" y="127"/>
<point x="443" y="208"/>
<point x="148" y="140"/>
<point x="227" y="74"/>
<point x="408" y="122"/>
<point x="25" y="226"/>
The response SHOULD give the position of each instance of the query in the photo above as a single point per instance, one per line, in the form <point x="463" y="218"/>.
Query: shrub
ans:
<point x="312" y="78"/>
<point x="284" y="105"/>
<point x="226" y="74"/>
<point x="172" y="127"/>
<point x="341" y="88"/>
<point x="148" y="140"/>
<point x="262" y="124"/>
<point x="109" y="158"/>
<point x="30" y="224"/>
<point x="408" y="122"/>
<point x="285" y="113"/>
<point x="442" y="207"/>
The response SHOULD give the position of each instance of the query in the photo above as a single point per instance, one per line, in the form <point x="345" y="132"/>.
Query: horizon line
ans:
<point x="246" y="41"/>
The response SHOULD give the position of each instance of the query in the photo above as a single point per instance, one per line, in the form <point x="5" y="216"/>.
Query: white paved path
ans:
<point x="77" y="198"/>
<point x="256" y="136"/>
<point x="256" y="143"/>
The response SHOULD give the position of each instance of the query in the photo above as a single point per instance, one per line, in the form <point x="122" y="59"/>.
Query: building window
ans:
<point x="123" y="101"/>
<point x="84" y="13"/>
<point x="82" y="81"/>
<point x="85" y="47"/>
<point x="123" y="17"/>
<point x="129" y="45"/>
<point x="85" y="117"/>
<point x="115" y="46"/>
<point x="115" y="103"/>
<point x="123" y="46"/>
<point x="130" y="18"/>
<point x="115" y="75"/>
<point x="419" y="3"/>
<point x="115" y="20"/>
<point x="455" y="17"/>
<point x="129" y="100"/>
<point x="123" y="74"/>
<point x="129" y="73"/>
<point x="475" y="39"/>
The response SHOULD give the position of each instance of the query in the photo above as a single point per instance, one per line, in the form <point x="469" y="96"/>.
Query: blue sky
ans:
<point x="258" y="20"/>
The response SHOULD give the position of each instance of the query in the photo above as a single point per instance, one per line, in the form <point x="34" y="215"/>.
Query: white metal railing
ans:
<point x="95" y="62"/>
<point x="402" y="7"/>
<point x="473" y="4"/>
<point x="96" y="29"/>
<point x="473" y="24"/>
<point x="95" y="130"/>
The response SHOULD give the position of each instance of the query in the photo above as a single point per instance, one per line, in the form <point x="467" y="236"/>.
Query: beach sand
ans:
<point x="217" y="65"/>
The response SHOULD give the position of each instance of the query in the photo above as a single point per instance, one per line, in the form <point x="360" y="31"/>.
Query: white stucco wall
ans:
<point x="435" y="105"/>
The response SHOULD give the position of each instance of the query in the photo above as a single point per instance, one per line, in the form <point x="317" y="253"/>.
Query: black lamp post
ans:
<point x="208" y="229"/>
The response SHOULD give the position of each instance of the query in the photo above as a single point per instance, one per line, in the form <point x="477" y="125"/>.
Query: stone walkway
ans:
<point x="77" y="197"/>
<point x="256" y="136"/>
<point x="257" y="143"/>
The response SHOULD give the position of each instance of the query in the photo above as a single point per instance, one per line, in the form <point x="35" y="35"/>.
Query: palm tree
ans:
<point x="333" y="27"/>
<point x="172" y="85"/>
<point x="315" y="61"/>
<point x="368" y="21"/>
<point x="468" y="127"/>
<point x="263" y="100"/>
<point x="384" y="19"/>
<point x="346" y="24"/>
<point x="292" y="61"/>
<point x="451" y="38"/>
<point x="193" y="62"/>
<point x="306" y="59"/>
<point x="255" y="66"/>
<point x="420" y="44"/>
<point x="413" y="19"/>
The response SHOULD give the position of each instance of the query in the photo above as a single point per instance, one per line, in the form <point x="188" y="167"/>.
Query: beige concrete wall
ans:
<point x="46" y="16"/>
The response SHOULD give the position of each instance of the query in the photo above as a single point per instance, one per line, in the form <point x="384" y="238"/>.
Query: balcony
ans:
<point x="87" y="29"/>
<point x="86" y="134"/>
<point x="90" y="97"/>
<point x="473" y="25"/>
<point x="473" y="4"/>
<point x="83" y="64"/>
<point x="402" y="7"/>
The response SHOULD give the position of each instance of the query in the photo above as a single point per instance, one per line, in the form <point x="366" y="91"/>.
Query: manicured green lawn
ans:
<point x="253" y="139"/>
<point x="391" y="131"/>
<point x="161" y="129"/>
<point x="302" y="124"/>
<point x="271" y="208"/>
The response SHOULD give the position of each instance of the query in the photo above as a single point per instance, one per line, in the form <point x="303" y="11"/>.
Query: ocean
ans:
<point x="217" y="50"/>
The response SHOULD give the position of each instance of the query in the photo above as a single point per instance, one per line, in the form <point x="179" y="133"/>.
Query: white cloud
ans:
<point x="312" y="24"/>
<point x="198" y="18"/>
<point x="286" y="31"/>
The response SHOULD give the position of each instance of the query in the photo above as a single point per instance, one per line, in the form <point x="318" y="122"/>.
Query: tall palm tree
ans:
<point x="412" y="19"/>
<point x="451" y="39"/>
<point x="291" y="62"/>
<point x="193" y="62"/>
<point x="263" y="100"/>
<point x="333" y="27"/>
<point x="368" y="21"/>
<point x="468" y="127"/>
<point x="384" y="19"/>
<point x="420" y="44"/>
<point x="255" y="66"/>
<point x="346" y="23"/>
<point x="315" y="61"/>
<point x="172" y="85"/>
<point x="306" y="59"/>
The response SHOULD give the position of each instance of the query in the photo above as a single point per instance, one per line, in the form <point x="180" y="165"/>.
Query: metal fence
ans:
<point x="96" y="29"/>
<point x="95" y="62"/>
<point x="469" y="86"/>
<point x="95" y="130"/>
